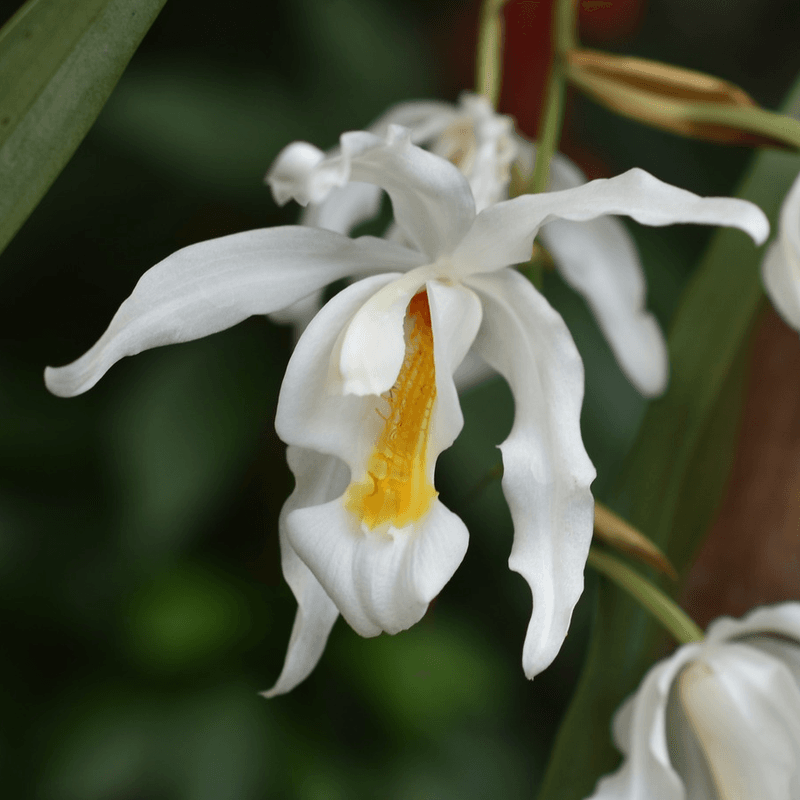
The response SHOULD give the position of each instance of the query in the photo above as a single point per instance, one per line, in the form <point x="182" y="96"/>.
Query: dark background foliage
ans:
<point x="142" y="600"/>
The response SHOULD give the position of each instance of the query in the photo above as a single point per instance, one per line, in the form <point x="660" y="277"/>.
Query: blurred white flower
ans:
<point x="719" y="719"/>
<point x="780" y="269"/>
<point x="368" y="400"/>
<point x="598" y="258"/>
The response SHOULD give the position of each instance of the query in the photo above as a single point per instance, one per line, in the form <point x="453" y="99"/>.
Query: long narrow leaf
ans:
<point x="59" y="61"/>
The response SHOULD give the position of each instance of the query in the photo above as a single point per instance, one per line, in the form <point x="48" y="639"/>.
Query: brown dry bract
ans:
<point x="663" y="95"/>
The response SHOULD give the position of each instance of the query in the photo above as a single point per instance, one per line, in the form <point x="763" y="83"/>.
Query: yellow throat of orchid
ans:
<point x="395" y="490"/>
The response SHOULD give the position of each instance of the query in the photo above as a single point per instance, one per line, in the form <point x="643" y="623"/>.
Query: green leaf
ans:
<point x="60" y="59"/>
<point x="675" y="473"/>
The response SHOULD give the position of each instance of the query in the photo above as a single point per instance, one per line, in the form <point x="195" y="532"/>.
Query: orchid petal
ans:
<point x="745" y="709"/>
<point x="313" y="411"/>
<point x="432" y="200"/>
<point x="210" y="286"/>
<point x="685" y="751"/>
<point x="546" y="473"/>
<point x="599" y="260"/>
<point x="379" y="581"/>
<point x="344" y="207"/>
<point x="780" y="268"/>
<point x="373" y="347"/>
<point x="456" y="315"/>
<point x="780" y="272"/>
<point x="472" y="371"/>
<point x="781" y="619"/>
<point x="784" y="650"/>
<point x="640" y="733"/>
<point x="481" y="143"/>
<point x="503" y="234"/>
<point x="318" y="479"/>
<point x="790" y="219"/>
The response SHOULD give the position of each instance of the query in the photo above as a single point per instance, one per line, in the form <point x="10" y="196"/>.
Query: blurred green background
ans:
<point x="142" y="600"/>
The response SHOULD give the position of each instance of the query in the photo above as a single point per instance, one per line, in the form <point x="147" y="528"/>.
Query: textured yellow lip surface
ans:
<point x="395" y="490"/>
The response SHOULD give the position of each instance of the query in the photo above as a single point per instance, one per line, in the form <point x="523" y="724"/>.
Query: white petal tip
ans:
<point x="289" y="175"/>
<point x="62" y="382"/>
<point x="760" y="229"/>
<point x="652" y="381"/>
<point x="652" y="391"/>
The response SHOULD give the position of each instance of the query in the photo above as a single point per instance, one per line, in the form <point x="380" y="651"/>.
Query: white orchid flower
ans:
<point x="368" y="401"/>
<point x="718" y="719"/>
<point x="780" y="269"/>
<point x="597" y="258"/>
<point x="471" y="135"/>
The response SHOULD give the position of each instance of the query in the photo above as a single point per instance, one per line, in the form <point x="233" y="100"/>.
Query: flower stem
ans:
<point x="564" y="40"/>
<point x="664" y="609"/>
<point x="489" y="58"/>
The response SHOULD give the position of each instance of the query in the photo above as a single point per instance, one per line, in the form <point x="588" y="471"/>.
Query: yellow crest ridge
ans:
<point x="395" y="490"/>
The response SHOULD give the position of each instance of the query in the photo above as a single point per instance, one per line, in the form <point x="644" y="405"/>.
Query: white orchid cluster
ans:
<point x="370" y="399"/>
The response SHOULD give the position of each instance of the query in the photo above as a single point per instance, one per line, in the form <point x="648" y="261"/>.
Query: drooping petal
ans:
<point x="213" y="285"/>
<point x="318" y="479"/>
<point x="380" y="581"/>
<point x="503" y="234"/>
<point x="745" y="709"/>
<point x="640" y="734"/>
<point x="431" y="199"/>
<point x="546" y="473"/>
<point x="599" y="260"/>
<point x="780" y="268"/>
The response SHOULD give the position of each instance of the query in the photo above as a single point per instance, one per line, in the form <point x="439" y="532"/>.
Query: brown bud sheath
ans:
<point x="622" y="536"/>
<point x="679" y="100"/>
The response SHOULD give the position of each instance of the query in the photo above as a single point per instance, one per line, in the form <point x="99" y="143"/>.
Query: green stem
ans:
<point x="650" y="597"/>
<point x="564" y="40"/>
<point x="489" y="57"/>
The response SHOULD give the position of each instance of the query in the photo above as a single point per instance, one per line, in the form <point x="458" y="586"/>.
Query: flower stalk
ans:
<point x="650" y="597"/>
<point x="564" y="39"/>
<point x="489" y="57"/>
